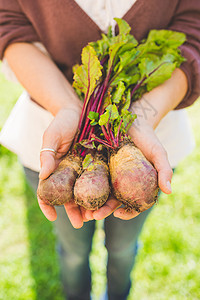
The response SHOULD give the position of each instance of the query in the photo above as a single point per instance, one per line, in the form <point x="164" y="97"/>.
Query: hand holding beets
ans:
<point x="115" y="72"/>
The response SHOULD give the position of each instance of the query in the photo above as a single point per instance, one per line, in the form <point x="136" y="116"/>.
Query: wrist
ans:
<point x="147" y="113"/>
<point x="66" y="99"/>
<point x="74" y="111"/>
<point x="74" y="107"/>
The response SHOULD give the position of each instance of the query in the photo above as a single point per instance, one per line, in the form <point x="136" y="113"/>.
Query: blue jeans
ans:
<point x="75" y="245"/>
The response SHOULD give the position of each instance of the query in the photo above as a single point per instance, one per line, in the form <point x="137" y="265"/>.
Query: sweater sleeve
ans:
<point x="14" y="25"/>
<point x="187" y="20"/>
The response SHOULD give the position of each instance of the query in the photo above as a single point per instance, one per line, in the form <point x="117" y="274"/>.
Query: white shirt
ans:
<point x="23" y="131"/>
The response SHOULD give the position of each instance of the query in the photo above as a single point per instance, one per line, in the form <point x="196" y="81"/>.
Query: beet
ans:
<point x="92" y="189"/>
<point x="134" y="179"/>
<point x="57" y="189"/>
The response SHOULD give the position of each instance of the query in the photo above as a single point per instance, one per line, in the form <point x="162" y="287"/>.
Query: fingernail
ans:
<point x="40" y="173"/>
<point x="169" y="186"/>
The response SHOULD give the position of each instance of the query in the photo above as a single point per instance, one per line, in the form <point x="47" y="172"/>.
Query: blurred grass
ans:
<point x="167" y="266"/>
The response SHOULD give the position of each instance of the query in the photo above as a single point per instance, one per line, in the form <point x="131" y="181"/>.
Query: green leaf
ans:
<point x="173" y="55"/>
<point x="86" y="75"/>
<point x="127" y="78"/>
<point x="93" y="115"/>
<point x="147" y="65"/>
<point x="87" y="144"/>
<point x="116" y="126"/>
<point x="87" y="161"/>
<point x="127" y="47"/>
<point x="101" y="46"/>
<point x="160" y="42"/>
<point x="113" y="52"/>
<point x="93" y="123"/>
<point x="113" y="112"/>
<point x="103" y="120"/>
<point x="75" y="67"/>
<point x="131" y="40"/>
<point x="117" y="95"/>
<point x="109" y="115"/>
<point x="124" y="27"/>
<point x="151" y="63"/>
<point x="128" y="119"/>
<point x="128" y="101"/>
<point x="163" y="73"/>
<point x="110" y="34"/>
<point x="165" y="38"/>
<point x="107" y="100"/>
<point x="127" y="58"/>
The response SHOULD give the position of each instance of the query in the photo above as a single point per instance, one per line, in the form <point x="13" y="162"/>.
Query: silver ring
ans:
<point x="48" y="149"/>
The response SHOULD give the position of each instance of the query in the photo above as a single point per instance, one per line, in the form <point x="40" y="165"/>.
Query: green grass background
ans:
<point x="168" y="263"/>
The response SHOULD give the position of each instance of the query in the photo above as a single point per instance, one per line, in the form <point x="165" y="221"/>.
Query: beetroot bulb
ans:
<point x="57" y="189"/>
<point x="134" y="179"/>
<point x="92" y="188"/>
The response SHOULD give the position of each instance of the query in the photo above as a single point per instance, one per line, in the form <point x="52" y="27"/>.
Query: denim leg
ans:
<point x="121" y="243"/>
<point x="73" y="247"/>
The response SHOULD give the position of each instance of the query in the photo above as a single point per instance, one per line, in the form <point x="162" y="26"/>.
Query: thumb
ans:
<point x="48" y="154"/>
<point x="160" y="160"/>
<point x="48" y="164"/>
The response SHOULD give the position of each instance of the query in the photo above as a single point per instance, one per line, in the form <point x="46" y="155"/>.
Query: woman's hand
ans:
<point x="145" y="139"/>
<point x="59" y="136"/>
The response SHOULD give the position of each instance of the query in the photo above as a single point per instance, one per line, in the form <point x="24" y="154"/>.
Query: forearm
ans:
<point x="153" y="106"/>
<point x="41" y="78"/>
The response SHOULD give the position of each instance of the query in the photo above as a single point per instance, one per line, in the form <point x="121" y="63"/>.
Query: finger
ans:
<point x="157" y="155"/>
<point x="164" y="180"/>
<point x="47" y="158"/>
<point x="82" y="209"/>
<point x="123" y="214"/>
<point x="48" y="211"/>
<point x="48" y="164"/>
<point x="74" y="214"/>
<point x="89" y="215"/>
<point x="160" y="160"/>
<point x="107" y="209"/>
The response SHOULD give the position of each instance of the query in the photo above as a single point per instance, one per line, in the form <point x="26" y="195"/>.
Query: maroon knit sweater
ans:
<point x="64" y="29"/>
